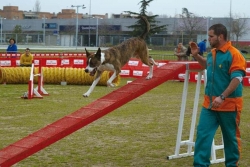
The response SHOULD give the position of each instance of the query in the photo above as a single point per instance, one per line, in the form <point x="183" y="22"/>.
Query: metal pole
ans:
<point x="44" y="30"/>
<point x="76" y="37"/>
<point x="1" y="29"/>
<point x="208" y="23"/>
<point x="76" y="26"/>
<point x="89" y="19"/>
<point x="207" y="28"/>
<point x="182" y="37"/>
<point x="96" y="32"/>
<point x="230" y="27"/>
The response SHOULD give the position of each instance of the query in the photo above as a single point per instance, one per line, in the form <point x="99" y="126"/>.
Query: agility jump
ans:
<point x="39" y="90"/>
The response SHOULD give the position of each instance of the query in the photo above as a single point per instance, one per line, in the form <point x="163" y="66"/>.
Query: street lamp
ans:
<point x="77" y="6"/>
<point x="97" y="26"/>
<point x="44" y="29"/>
<point x="230" y="27"/>
<point x="89" y="19"/>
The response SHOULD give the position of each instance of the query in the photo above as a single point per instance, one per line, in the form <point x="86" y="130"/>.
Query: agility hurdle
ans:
<point x="191" y="67"/>
<point x="39" y="90"/>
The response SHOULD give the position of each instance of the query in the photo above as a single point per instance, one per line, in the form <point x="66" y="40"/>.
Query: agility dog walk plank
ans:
<point x="85" y="115"/>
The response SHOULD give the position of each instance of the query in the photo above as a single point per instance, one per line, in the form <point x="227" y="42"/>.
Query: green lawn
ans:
<point x="140" y="133"/>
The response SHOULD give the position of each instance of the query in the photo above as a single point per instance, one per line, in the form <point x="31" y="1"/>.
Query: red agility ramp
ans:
<point x="85" y="115"/>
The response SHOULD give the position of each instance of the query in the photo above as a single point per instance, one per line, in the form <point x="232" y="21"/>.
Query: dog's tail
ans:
<point x="146" y="31"/>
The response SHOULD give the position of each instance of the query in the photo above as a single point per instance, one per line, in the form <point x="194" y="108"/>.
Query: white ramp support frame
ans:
<point x="190" y="142"/>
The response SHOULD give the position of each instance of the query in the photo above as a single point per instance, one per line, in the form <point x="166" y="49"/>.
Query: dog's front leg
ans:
<point x="150" y="74"/>
<point x="96" y="80"/>
<point x="109" y="82"/>
<point x="152" y="62"/>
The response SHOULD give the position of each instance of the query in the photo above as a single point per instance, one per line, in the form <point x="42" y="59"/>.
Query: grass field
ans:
<point x="141" y="133"/>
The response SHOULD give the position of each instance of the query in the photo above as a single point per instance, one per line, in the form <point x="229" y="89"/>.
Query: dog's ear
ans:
<point x="87" y="53"/>
<point x="98" y="53"/>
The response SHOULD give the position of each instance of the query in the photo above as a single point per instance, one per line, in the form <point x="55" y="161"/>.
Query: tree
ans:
<point x="191" y="23"/>
<point x="239" y="27"/>
<point x="139" y="26"/>
<point x="18" y="30"/>
<point x="37" y="7"/>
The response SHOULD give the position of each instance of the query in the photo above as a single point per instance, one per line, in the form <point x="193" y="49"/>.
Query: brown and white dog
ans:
<point x="114" y="58"/>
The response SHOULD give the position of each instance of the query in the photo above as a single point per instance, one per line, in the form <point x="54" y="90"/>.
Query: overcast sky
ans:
<point x="211" y="8"/>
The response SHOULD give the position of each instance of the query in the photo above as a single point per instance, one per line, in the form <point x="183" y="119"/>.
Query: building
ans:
<point x="95" y="30"/>
<point x="13" y="13"/>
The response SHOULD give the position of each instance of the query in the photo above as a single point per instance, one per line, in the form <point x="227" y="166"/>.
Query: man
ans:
<point x="222" y="100"/>
<point x="180" y="52"/>
<point x="202" y="46"/>
<point x="26" y="59"/>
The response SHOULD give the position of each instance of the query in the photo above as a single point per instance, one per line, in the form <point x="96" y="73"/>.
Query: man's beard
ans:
<point x="215" y="44"/>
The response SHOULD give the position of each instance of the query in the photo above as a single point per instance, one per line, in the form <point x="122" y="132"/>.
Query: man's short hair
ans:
<point x="219" y="29"/>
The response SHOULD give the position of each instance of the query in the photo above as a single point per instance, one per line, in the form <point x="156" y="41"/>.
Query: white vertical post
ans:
<point x="230" y="13"/>
<point x="76" y="27"/>
<point x="207" y="28"/>
<point x="1" y="29"/>
<point x="182" y="37"/>
<point x="44" y="30"/>
<point x="89" y="19"/>
<point x="195" y="110"/>
<point x="208" y="22"/>
<point x="96" y="32"/>
<point x="97" y="27"/>
<point x="182" y="114"/>
<point x="76" y="37"/>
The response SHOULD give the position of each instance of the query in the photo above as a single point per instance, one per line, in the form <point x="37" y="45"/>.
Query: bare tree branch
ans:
<point x="239" y="27"/>
<point x="191" y="23"/>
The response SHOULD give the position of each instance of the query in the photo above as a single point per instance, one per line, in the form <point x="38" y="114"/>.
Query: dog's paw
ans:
<point x="85" y="95"/>
<point x="149" y="77"/>
<point x="152" y="61"/>
<point x="156" y="63"/>
<point x="110" y="84"/>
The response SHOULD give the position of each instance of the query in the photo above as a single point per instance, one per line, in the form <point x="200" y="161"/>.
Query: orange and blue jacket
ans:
<point x="223" y="65"/>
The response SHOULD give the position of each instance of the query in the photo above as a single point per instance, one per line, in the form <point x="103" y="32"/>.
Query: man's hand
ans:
<point x="194" y="49"/>
<point x="217" y="102"/>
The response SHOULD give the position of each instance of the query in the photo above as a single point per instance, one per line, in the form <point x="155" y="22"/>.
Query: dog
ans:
<point x="114" y="58"/>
